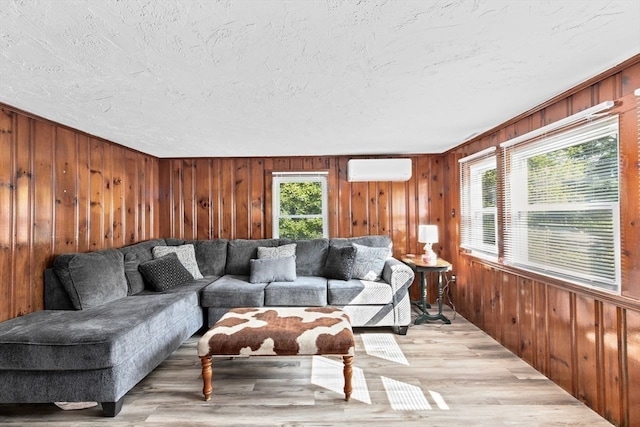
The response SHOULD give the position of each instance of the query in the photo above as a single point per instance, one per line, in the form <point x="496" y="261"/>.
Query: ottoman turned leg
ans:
<point x="348" y="372"/>
<point x="207" y="373"/>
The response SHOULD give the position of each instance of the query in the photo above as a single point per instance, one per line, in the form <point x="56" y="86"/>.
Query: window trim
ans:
<point x="472" y="239"/>
<point x="284" y="177"/>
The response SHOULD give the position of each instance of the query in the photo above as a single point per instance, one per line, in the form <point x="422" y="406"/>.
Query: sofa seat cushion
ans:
<point x="358" y="292"/>
<point x="233" y="291"/>
<point x="97" y="338"/>
<point x="305" y="291"/>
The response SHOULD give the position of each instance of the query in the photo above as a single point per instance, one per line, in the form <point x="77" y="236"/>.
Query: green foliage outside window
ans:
<point x="301" y="210"/>
<point x="575" y="174"/>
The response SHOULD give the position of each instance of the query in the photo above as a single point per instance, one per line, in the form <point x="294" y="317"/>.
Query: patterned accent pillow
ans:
<point x="340" y="262"/>
<point x="186" y="255"/>
<point x="165" y="272"/>
<point x="281" y="251"/>
<point x="268" y="270"/>
<point x="369" y="262"/>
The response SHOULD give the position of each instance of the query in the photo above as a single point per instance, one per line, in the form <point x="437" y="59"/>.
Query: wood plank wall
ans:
<point x="231" y="198"/>
<point x="587" y="342"/>
<point x="64" y="191"/>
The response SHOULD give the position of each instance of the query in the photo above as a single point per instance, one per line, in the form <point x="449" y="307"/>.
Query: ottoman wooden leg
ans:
<point x="207" y="373"/>
<point x="348" y="373"/>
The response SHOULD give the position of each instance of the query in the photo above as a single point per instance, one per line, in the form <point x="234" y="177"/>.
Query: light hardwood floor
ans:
<point x="436" y="375"/>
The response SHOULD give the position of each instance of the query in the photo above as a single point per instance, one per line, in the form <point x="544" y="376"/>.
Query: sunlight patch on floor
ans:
<point x="405" y="397"/>
<point x="384" y="346"/>
<point x="328" y="373"/>
<point x="437" y="397"/>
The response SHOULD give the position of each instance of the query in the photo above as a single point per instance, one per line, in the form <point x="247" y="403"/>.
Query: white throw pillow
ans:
<point x="186" y="255"/>
<point x="282" y="251"/>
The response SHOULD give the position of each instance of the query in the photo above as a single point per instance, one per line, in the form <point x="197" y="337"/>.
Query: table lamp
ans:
<point x="428" y="234"/>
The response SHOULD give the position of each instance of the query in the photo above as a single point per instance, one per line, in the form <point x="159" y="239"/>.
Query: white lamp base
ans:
<point x="429" y="257"/>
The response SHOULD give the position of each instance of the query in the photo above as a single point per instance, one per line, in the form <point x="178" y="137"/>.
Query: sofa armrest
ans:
<point x="397" y="274"/>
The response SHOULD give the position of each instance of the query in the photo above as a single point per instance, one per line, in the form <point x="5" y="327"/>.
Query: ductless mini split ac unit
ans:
<point x="360" y="170"/>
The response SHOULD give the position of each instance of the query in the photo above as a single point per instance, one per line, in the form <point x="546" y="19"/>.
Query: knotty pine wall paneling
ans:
<point x="231" y="198"/>
<point x="586" y="341"/>
<point x="63" y="191"/>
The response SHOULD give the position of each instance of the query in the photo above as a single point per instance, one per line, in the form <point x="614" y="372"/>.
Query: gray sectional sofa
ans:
<point x="112" y="316"/>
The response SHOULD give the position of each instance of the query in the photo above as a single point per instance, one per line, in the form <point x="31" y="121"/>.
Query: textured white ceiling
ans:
<point x="268" y="78"/>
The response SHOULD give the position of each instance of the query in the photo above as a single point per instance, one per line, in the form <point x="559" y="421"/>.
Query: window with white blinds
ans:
<point x="478" y="203"/>
<point x="561" y="204"/>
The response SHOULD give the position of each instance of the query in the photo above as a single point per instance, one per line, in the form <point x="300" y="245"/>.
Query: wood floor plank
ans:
<point x="462" y="375"/>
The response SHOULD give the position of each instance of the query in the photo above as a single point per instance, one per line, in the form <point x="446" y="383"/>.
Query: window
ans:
<point x="562" y="205"/>
<point x="479" y="191"/>
<point x="300" y="205"/>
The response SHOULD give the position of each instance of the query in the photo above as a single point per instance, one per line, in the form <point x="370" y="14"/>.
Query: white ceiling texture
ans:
<point x="193" y="78"/>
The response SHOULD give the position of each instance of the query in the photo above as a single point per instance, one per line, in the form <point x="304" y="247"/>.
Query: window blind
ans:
<point x="478" y="203"/>
<point x="561" y="204"/>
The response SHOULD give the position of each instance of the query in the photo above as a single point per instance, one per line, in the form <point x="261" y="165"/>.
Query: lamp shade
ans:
<point x="428" y="233"/>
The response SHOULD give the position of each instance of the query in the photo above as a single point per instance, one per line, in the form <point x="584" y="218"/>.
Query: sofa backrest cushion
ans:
<point x="133" y="256"/>
<point x="240" y="251"/>
<point x="211" y="256"/>
<point x="374" y="241"/>
<point x="55" y="295"/>
<point x="92" y="279"/>
<point x="311" y="255"/>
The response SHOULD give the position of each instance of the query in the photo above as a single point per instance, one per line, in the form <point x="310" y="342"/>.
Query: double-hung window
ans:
<point x="478" y="204"/>
<point x="300" y="205"/>
<point x="561" y="215"/>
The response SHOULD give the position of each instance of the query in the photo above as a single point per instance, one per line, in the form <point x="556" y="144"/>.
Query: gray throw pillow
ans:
<point x="281" y="251"/>
<point x="273" y="270"/>
<point x="92" y="279"/>
<point x="165" y="272"/>
<point x="369" y="262"/>
<point x="186" y="255"/>
<point x="340" y="262"/>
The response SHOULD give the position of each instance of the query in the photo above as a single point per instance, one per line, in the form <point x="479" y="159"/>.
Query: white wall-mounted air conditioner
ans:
<point x="359" y="170"/>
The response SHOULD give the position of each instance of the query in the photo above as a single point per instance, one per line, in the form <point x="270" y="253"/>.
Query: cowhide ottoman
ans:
<point x="278" y="331"/>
